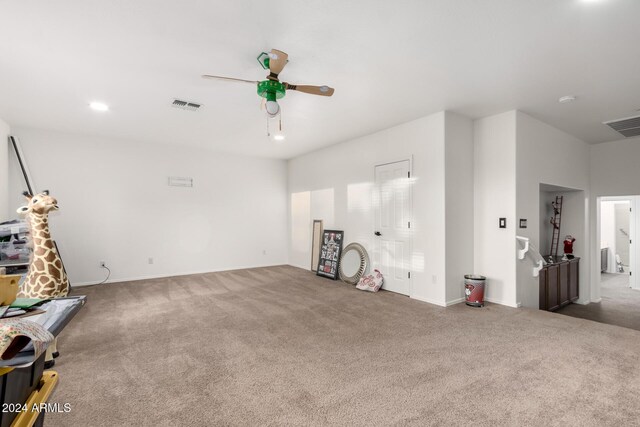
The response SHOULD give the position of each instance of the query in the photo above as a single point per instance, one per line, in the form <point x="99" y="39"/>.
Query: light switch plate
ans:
<point x="503" y="223"/>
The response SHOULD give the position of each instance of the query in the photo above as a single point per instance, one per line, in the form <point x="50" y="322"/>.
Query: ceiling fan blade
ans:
<point x="313" y="90"/>
<point x="277" y="60"/>
<point x="207" y="76"/>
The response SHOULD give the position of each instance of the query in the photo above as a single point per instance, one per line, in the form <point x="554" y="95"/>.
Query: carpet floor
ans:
<point x="280" y="346"/>
<point x="620" y="304"/>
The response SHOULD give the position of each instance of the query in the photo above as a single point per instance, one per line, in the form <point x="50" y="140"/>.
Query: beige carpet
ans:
<point x="280" y="346"/>
<point x="620" y="304"/>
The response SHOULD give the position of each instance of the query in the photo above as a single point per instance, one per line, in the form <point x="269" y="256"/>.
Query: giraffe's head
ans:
<point x="40" y="204"/>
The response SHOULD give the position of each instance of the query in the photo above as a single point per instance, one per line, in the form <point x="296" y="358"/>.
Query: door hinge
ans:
<point x="409" y="274"/>
<point x="408" y="174"/>
<point x="409" y="224"/>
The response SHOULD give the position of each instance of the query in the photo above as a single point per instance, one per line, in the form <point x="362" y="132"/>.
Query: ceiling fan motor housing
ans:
<point x="271" y="90"/>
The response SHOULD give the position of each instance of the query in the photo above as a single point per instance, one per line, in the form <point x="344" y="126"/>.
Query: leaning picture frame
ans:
<point x="316" y="242"/>
<point x="330" y="253"/>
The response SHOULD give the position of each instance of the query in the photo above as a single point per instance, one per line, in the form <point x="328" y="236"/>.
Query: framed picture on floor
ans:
<point x="316" y="241"/>
<point x="330" y="253"/>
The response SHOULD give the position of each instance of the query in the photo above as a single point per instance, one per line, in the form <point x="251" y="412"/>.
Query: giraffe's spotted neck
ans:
<point x="39" y="225"/>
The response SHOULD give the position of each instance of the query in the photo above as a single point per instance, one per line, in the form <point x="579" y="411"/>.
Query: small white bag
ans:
<point x="371" y="282"/>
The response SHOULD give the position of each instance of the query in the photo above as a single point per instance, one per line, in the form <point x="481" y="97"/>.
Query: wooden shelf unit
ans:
<point x="559" y="283"/>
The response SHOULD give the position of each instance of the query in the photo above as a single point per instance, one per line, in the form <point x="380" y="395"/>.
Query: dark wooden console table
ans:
<point x="559" y="283"/>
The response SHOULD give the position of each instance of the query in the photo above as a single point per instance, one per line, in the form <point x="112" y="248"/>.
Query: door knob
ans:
<point x="377" y="233"/>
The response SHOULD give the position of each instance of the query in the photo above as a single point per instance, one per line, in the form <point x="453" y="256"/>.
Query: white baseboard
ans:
<point x="161" y="276"/>
<point x="429" y="300"/>
<point x="508" y="304"/>
<point x="307" y="267"/>
<point x="494" y="301"/>
<point x="459" y="300"/>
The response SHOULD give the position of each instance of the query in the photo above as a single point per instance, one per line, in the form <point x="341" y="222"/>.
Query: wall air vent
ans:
<point x="626" y="127"/>
<point x="179" y="181"/>
<point x="185" y="105"/>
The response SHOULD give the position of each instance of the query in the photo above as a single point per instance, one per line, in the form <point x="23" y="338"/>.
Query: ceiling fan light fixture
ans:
<point x="272" y="108"/>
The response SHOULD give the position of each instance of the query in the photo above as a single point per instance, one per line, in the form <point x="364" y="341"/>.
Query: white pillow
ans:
<point x="371" y="282"/>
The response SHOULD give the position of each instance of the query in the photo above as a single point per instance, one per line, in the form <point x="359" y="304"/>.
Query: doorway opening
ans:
<point x="615" y="239"/>
<point x="617" y="284"/>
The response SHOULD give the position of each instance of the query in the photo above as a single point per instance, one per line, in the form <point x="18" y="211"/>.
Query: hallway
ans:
<point x="620" y="304"/>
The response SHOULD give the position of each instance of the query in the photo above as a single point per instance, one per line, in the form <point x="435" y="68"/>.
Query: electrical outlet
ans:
<point x="150" y="260"/>
<point x="103" y="264"/>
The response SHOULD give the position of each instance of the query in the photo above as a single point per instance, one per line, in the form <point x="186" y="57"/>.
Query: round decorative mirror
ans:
<point x="353" y="263"/>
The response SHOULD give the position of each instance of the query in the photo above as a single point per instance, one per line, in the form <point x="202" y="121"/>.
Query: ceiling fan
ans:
<point x="272" y="88"/>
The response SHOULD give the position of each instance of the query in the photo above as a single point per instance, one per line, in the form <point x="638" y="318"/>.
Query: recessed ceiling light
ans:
<point x="278" y="137"/>
<point x="99" y="106"/>
<point x="568" y="98"/>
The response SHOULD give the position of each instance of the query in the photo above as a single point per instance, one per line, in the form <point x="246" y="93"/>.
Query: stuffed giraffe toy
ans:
<point x="46" y="277"/>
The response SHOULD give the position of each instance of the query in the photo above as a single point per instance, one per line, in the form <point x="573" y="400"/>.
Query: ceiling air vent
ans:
<point x="185" y="105"/>
<point x="627" y="127"/>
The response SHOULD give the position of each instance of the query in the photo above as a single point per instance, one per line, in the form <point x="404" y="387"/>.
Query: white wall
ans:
<point x="342" y="178"/>
<point x="458" y="203"/>
<point x="546" y="155"/>
<point x="4" y="172"/>
<point x="514" y="154"/>
<point x="614" y="168"/>
<point x="494" y="198"/>
<point x="116" y="206"/>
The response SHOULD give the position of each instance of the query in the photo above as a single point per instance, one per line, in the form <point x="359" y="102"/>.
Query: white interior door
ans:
<point x="622" y="214"/>
<point x="392" y="253"/>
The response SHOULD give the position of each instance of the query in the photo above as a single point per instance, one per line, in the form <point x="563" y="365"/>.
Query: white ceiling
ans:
<point x="390" y="62"/>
